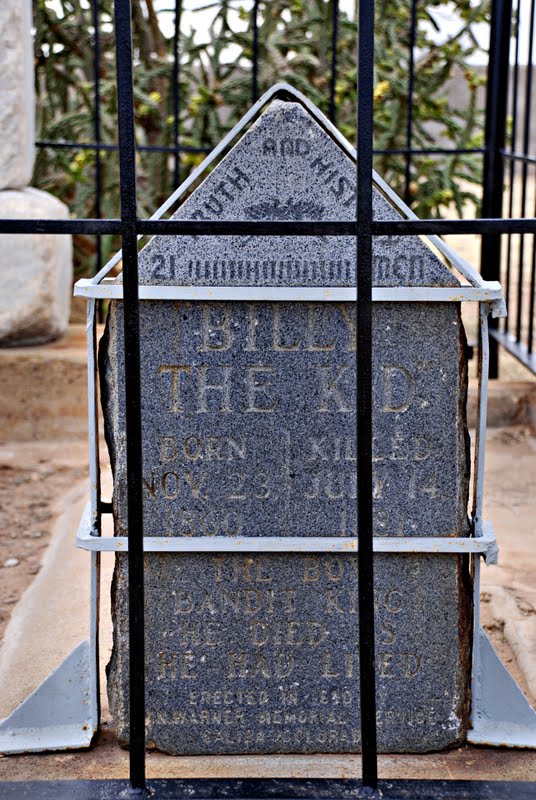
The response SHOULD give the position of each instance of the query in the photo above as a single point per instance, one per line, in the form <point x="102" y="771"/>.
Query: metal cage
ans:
<point x="499" y="709"/>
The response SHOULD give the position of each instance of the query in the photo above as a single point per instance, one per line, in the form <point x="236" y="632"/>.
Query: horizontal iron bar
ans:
<point x="270" y="789"/>
<point x="515" y="348"/>
<point x="433" y="151"/>
<point x="174" y="227"/>
<point x="519" y="157"/>
<point x="246" y="227"/>
<point x="423" y="227"/>
<point x="114" y="147"/>
<point x="59" y="226"/>
<point x="405" y="227"/>
<point x="341" y="294"/>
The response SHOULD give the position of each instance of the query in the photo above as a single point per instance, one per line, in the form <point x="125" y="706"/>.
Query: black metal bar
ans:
<point x="271" y="789"/>
<point x="409" y="101"/>
<point x="176" y="97"/>
<point x="255" y="52"/>
<point x="127" y="167"/>
<point x="433" y="151"/>
<point x="333" y="69"/>
<point x="70" y="226"/>
<point x="516" y="349"/>
<point x="97" y="124"/>
<point x="367" y="665"/>
<point x="419" y="227"/>
<point x="512" y="166"/>
<point x="518" y="156"/>
<point x="144" y="148"/>
<point x="246" y="228"/>
<point x="430" y="151"/>
<point x="524" y="170"/>
<point x="495" y="136"/>
<point x="532" y="290"/>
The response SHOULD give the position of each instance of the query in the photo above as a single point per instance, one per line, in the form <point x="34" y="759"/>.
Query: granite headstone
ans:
<point x="249" y="430"/>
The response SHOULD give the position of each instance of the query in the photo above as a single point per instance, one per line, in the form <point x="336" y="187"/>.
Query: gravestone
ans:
<point x="249" y="430"/>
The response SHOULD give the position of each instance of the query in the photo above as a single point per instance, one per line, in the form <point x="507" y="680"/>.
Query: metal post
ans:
<point x="176" y="98"/>
<point x="411" y="92"/>
<point x="365" y="113"/>
<point x="513" y="163"/>
<point x="95" y="18"/>
<point x="255" y="48"/>
<point x="127" y="165"/>
<point x="334" y="64"/>
<point x="495" y="137"/>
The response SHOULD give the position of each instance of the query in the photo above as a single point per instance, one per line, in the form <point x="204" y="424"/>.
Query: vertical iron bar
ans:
<point x="95" y="21"/>
<point x="530" y="336"/>
<point x="333" y="75"/>
<point x="411" y="88"/>
<point x="532" y="287"/>
<point x="127" y="167"/>
<point x="365" y="111"/>
<point x="176" y="68"/>
<point x="495" y="135"/>
<point x="512" y="165"/>
<point x="255" y="48"/>
<point x="524" y="170"/>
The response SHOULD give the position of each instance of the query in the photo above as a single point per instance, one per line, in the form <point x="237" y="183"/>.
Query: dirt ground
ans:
<point x="33" y="478"/>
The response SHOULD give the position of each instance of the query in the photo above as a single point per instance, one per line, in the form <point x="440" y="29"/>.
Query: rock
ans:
<point x="17" y="96"/>
<point x="249" y="430"/>
<point x="35" y="272"/>
<point x="11" y="562"/>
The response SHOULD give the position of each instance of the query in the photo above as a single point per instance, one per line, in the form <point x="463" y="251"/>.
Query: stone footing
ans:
<point x="35" y="272"/>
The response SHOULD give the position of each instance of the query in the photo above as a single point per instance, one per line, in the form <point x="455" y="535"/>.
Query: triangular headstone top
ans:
<point x="285" y="167"/>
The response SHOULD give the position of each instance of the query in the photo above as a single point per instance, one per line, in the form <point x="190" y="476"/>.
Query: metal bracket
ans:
<point x="61" y="714"/>
<point x="490" y="292"/>
<point x="502" y="715"/>
<point x="87" y="538"/>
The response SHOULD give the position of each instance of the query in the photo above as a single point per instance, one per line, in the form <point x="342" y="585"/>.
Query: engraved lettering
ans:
<point x="216" y="334"/>
<point x="331" y="393"/>
<point x="258" y="397"/>
<point x="252" y="324"/>
<point x="393" y="601"/>
<point x="278" y="343"/>
<point x="398" y="389"/>
<point x="168" y="448"/>
<point x="175" y="373"/>
<point x="385" y="665"/>
<point x="223" y="389"/>
<point x="349" y="317"/>
<point x="311" y="345"/>
<point x="411" y="664"/>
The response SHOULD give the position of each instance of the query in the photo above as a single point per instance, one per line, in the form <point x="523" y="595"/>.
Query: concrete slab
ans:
<point x="52" y="616"/>
<point x="509" y="588"/>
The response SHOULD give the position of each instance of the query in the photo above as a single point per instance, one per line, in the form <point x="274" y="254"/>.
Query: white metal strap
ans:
<point x="490" y="292"/>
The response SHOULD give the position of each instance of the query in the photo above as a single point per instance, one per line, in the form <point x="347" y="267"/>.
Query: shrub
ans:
<point x="215" y="91"/>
